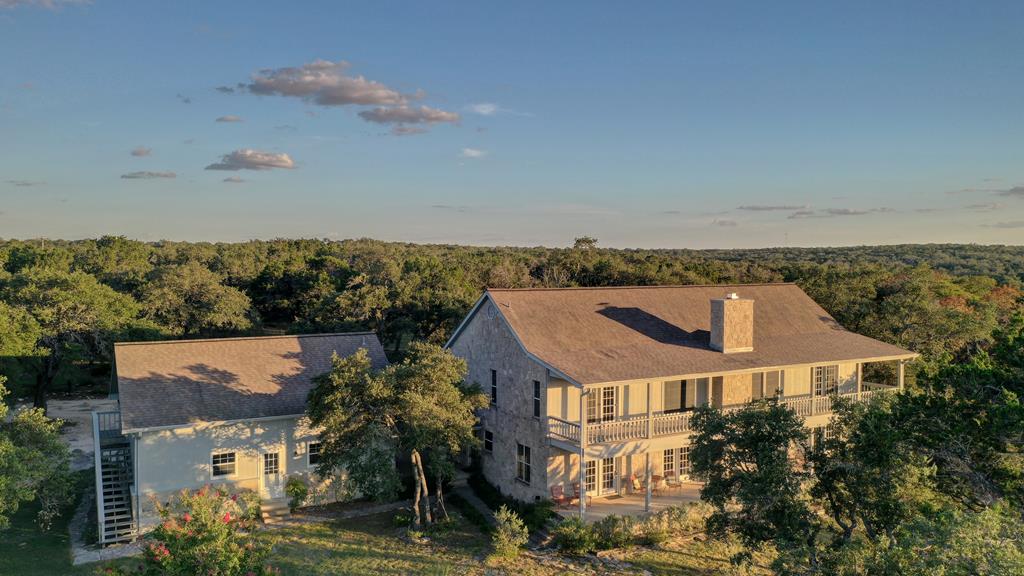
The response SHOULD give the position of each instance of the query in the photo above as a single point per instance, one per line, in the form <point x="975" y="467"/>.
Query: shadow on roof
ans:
<point x="654" y="327"/>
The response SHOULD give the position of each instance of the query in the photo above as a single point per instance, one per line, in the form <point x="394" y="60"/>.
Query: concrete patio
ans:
<point x="633" y="504"/>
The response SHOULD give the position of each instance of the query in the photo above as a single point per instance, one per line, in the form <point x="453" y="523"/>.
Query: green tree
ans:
<point x="190" y="300"/>
<point x="75" y="315"/>
<point x="33" y="463"/>
<point x="753" y="484"/>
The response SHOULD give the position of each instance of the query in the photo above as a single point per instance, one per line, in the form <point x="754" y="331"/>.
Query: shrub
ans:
<point x="573" y="536"/>
<point x="469" y="512"/>
<point x="535" y="514"/>
<point x="297" y="491"/>
<point x="204" y="532"/>
<point x="614" y="531"/>
<point x="655" y="529"/>
<point x="510" y="533"/>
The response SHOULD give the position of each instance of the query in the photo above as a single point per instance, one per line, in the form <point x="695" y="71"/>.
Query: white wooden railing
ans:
<point x="636" y="427"/>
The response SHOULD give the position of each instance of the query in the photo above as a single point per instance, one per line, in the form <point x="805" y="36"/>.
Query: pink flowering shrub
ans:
<point x="206" y="531"/>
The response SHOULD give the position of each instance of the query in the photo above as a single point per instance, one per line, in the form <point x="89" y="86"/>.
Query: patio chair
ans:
<point x="639" y="487"/>
<point x="672" y="481"/>
<point x="558" y="496"/>
<point x="576" y="493"/>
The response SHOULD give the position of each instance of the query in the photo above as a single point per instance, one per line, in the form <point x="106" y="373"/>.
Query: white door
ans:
<point x="272" y="476"/>
<point x="602" y="477"/>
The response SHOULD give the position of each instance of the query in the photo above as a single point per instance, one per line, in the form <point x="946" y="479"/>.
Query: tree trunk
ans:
<point x="421" y="478"/>
<point x="416" y="499"/>
<point x="44" y="379"/>
<point x="441" y="512"/>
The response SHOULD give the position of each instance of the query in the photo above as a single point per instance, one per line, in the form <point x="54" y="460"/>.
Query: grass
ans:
<point x="684" y="557"/>
<point x="26" y="550"/>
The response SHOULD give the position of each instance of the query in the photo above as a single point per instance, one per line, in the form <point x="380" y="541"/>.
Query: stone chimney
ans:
<point x="732" y="324"/>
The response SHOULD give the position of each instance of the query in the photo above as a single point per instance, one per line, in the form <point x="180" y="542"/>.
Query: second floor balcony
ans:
<point x="625" y="429"/>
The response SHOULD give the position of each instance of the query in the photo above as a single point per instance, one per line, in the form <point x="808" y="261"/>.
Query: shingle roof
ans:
<point x="597" y="335"/>
<point x="184" y="381"/>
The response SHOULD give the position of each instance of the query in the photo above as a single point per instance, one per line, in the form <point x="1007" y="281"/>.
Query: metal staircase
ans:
<point x="114" y="479"/>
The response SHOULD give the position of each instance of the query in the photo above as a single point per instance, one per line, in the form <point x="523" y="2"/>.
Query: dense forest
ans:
<point x="63" y="303"/>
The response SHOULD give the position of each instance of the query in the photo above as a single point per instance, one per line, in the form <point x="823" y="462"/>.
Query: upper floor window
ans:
<point x="494" y="387"/>
<point x="523" y="467"/>
<point x="488" y="441"/>
<point x="773" y="383"/>
<point x="313" y="454"/>
<point x="825" y="379"/>
<point x="223" y="464"/>
<point x="536" y="398"/>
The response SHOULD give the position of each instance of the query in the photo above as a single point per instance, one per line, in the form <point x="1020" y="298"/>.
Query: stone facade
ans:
<point x="732" y="325"/>
<point x="487" y="343"/>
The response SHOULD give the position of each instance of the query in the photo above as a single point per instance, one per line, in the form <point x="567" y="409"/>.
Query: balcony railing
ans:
<point x="637" y="427"/>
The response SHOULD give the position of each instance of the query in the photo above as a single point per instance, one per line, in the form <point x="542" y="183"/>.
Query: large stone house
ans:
<point x="226" y="411"/>
<point x="608" y="377"/>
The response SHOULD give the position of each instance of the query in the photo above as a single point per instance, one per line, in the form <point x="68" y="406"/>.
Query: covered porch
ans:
<point x="633" y="504"/>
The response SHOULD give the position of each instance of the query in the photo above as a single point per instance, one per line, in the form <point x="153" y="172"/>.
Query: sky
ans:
<point x="643" y="124"/>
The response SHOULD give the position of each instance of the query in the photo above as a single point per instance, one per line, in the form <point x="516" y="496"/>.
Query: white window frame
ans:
<point x="234" y="464"/>
<point x="309" y="452"/>
<point x="524" y="463"/>
<point x="277" y="462"/>
<point x="537" y="393"/>
<point x="825" y="380"/>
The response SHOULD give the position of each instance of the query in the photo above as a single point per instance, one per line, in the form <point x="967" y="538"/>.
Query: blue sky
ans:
<point x="654" y="124"/>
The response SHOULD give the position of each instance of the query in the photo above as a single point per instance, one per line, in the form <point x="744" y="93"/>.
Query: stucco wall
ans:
<point x="171" y="460"/>
<point x="486" y="343"/>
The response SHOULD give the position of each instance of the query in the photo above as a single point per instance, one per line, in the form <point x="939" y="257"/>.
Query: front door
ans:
<point x="273" y="476"/>
<point x="602" y="477"/>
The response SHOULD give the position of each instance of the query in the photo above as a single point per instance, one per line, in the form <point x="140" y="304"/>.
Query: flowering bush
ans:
<point x="207" y="531"/>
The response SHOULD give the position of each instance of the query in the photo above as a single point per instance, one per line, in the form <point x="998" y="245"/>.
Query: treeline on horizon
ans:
<point x="63" y="303"/>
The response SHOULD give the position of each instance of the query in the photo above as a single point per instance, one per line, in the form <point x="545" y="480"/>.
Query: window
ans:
<point x="602" y="404"/>
<point x="536" y="398"/>
<point x="773" y="383"/>
<point x="684" y="461"/>
<point x="590" y="476"/>
<point x="757" y="390"/>
<point x="223" y="464"/>
<point x="607" y="474"/>
<point x="673" y="396"/>
<point x="488" y="441"/>
<point x="523" y="468"/>
<point x="313" y="454"/>
<point x="494" y="387"/>
<point x="271" y="463"/>
<point x="669" y="461"/>
<point x="825" y="379"/>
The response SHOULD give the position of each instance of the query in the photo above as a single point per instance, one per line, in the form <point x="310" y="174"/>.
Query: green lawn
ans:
<point x="25" y="550"/>
<point x="695" y="558"/>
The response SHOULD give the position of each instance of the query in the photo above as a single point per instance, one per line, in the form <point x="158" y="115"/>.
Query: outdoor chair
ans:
<point x="576" y="493"/>
<point x="558" y="496"/>
<point x="672" y="481"/>
<point x="639" y="487"/>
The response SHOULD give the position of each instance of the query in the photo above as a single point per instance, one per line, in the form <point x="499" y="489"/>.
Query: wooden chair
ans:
<point x="672" y="481"/>
<point x="576" y="493"/>
<point x="640" y="488"/>
<point x="558" y="496"/>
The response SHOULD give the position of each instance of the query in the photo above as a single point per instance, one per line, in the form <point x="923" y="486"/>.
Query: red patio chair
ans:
<point x="558" y="496"/>
<point x="576" y="493"/>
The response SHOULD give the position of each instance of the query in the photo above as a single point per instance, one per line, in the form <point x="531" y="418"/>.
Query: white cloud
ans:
<point x="1014" y="224"/>
<point x="229" y="118"/>
<point x="725" y="223"/>
<point x="1015" y="192"/>
<point x="140" y="151"/>
<point x="325" y="83"/>
<point x="472" y="153"/>
<point x="248" y="159"/>
<point x="771" y="207"/>
<point x="484" y="108"/>
<point x="408" y="115"/>
<point x="23" y="183"/>
<point x="148" y="175"/>
<point x="48" y="4"/>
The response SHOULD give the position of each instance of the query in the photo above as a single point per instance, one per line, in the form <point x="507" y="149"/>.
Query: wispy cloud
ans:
<point x="838" y="212"/>
<point x="405" y="115"/>
<point x="985" y="207"/>
<point x="1015" y="192"/>
<point x="1013" y="224"/>
<point x="249" y="159"/>
<point x="408" y="130"/>
<point x="492" y="109"/>
<point x="148" y="175"/>
<point x="225" y="89"/>
<point x="772" y="207"/>
<point x="725" y="223"/>
<point x="229" y="118"/>
<point x="233" y="180"/>
<point x="472" y="153"/>
<point x="140" y="151"/>
<point x="24" y="183"/>
<point x="183" y="99"/>
<point x="48" y="4"/>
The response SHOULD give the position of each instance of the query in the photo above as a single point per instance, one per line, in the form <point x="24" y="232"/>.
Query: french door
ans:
<point x="602" y="477"/>
<point x="602" y="404"/>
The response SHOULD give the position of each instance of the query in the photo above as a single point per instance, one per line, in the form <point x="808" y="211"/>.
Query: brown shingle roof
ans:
<point x="183" y="381"/>
<point x="613" y="334"/>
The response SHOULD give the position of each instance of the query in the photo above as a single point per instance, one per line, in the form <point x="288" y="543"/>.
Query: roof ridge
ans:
<point x="239" y="338"/>
<point x="568" y="288"/>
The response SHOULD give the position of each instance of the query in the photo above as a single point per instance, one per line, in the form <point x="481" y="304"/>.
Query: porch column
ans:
<point x="647" y="480"/>
<point x="583" y="452"/>
<point x="899" y="376"/>
<point x="860" y="379"/>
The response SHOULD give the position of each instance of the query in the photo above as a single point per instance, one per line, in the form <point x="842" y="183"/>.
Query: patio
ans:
<point x="633" y="504"/>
